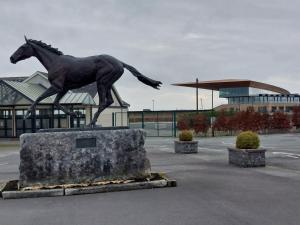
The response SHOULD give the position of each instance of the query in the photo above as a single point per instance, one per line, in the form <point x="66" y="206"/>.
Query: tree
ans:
<point x="221" y="122"/>
<point x="265" y="122"/>
<point x="280" y="121"/>
<point x="183" y="123"/>
<point x="296" y="116"/>
<point x="200" y="123"/>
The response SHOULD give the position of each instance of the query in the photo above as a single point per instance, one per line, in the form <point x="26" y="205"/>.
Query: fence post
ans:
<point x="113" y="119"/>
<point x="143" y="120"/>
<point x="157" y="124"/>
<point x="174" y="124"/>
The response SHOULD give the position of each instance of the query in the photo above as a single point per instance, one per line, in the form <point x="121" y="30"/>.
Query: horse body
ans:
<point x="77" y="72"/>
<point x="67" y="72"/>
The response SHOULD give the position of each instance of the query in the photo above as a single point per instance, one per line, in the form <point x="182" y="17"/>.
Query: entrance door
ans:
<point x="23" y="126"/>
<point x="6" y="123"/>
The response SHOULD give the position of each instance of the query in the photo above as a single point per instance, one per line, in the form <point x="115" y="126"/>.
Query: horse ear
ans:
<point x="25" y="38"/>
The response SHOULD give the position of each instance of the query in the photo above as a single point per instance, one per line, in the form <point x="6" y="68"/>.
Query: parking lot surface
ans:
<point x="209" y="191"/>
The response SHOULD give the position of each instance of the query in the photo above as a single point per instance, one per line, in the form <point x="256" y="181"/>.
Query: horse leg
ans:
<point x="50" y="91"/>
<point x="105" y="78"/>
<point x="102" y="102"/>
<point x="59" y="106"/>
<point x="109" y="98"/>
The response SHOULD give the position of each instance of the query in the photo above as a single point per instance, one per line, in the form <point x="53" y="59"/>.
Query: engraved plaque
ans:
<point x="86" y="142"/>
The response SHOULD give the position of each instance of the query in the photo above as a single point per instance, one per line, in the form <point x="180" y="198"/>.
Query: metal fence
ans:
<point x="157" y="123"/>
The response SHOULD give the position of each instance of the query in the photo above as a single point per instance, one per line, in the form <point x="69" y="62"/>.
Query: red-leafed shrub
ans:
<point x="183" y="124"/>
<point x="221" y="122"/>
<point x="296" y="116"/>
<point x="280" y="121"/>
<point x="200" y="123"/>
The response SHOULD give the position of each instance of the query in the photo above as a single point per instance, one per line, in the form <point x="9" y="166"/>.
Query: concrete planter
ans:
<point x="247" y="157"/>
<point x="186" y="146"/>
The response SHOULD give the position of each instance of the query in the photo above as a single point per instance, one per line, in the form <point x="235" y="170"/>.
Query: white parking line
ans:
<point x="3" y="164"/>
<point x="287" y="154"/>
<point x="210" y="149"/>
<point x="227" y="143"/>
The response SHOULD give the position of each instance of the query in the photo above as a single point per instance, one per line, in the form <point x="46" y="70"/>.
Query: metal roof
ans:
<point x="231" y="83"/>
<point x="33" y="91"/>
<point x="90" y="90"/>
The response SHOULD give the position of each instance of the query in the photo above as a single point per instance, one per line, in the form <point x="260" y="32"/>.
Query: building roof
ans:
<point x="231" y="83"/>
<point x="72" y="97"/>
<point x="19" y="79"/>
<point x="33" y="91"/>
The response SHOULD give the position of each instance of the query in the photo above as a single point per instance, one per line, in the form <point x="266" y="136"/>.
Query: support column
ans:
<point x="197" y="99"/>
<point x="14" y="123"/>
<point x="212" y="110"/>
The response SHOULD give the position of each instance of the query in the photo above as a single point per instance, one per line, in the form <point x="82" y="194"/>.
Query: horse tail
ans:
<point x="146" y="80"/>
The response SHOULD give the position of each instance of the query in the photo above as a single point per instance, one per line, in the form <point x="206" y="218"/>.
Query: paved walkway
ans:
<point x="209" y="191"/>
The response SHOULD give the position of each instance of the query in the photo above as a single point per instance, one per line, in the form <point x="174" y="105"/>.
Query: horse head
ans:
<point x="23" y="52"/>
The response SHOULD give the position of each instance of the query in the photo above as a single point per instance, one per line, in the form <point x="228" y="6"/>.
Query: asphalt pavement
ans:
<point x="209" y="191"/>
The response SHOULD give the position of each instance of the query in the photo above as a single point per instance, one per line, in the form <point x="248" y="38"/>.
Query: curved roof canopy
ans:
<point x="231" y="83"/>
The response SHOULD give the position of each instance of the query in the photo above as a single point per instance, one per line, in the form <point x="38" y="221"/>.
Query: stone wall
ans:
<point x="247" y="157"/>
<point x="52" y="158"/>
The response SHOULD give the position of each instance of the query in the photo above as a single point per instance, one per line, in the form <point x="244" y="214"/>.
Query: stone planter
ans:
<point x="247" y="157"/>
<point x="186" y="146"/>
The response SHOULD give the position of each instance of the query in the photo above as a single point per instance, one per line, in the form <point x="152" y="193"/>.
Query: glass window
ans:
<point x="284" y="99"/>
<point x="20" y="112"/>
<point x="20" y="124"/>
<point x="230" y="92"/>
<point x="63" y="123"/>
<point x="288" y="109"/>
<point x="262" y="109"/>
<point x="56" y="123"/>
<point x="28" y="123"/>
<point x="1" y="123"/>
<point x="9" y="123"/>
<point x="2" y="133"/>
<point x="45" y="123"/>
<point x="38" y="124"/>
<point x="45" y="112"/>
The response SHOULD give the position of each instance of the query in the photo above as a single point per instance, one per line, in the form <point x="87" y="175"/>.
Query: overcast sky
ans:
<point x="168" y="40"/>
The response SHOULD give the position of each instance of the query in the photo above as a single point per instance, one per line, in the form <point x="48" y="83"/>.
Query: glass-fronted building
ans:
<point x="18" y="93"/>
<point x="241" y="94"/>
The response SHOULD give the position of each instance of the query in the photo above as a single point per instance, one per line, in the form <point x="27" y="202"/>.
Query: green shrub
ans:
<point x="185" y="135"/>
<point x="247" y="140"/>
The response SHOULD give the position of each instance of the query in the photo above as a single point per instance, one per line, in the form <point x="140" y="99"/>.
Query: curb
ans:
<point x="10" y="189"/>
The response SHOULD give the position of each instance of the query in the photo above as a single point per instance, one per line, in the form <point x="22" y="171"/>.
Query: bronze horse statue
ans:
<point x="67" y="72"/>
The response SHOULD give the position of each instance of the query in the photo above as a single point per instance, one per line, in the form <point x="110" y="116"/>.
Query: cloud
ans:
<point x="172" y="41"/>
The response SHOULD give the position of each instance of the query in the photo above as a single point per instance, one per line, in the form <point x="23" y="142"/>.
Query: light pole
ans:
<point x="152" y="104"/>
<point x="197" y="97"/>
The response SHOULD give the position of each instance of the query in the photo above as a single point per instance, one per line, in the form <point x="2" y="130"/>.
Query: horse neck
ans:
<point x="45" y="57"/>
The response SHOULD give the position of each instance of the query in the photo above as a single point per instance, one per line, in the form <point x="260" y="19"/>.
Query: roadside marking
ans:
<point x="3" y="164"/>
<point x="8" y="154"/>
<point x="211" y="149"/>
<point x="287" y="154"/>
<point x="227" y="143"/>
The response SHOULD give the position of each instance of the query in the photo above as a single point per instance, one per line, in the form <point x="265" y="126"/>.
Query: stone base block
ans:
<point x="53" y="158"/>
<point x="186" y="146"/>
<point x="247" y="157"/>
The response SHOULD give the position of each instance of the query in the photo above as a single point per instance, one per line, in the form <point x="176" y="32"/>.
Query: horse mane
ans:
<point x="44" y="45"/>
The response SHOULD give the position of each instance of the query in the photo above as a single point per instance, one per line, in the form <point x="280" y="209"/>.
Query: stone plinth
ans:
<point x="53" y="158"/>
<point x="247" y="157"/>
<point x="186" y="146"/>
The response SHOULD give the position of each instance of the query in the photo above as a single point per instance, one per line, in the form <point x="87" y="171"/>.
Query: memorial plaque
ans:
<point x="86" y="142"/>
